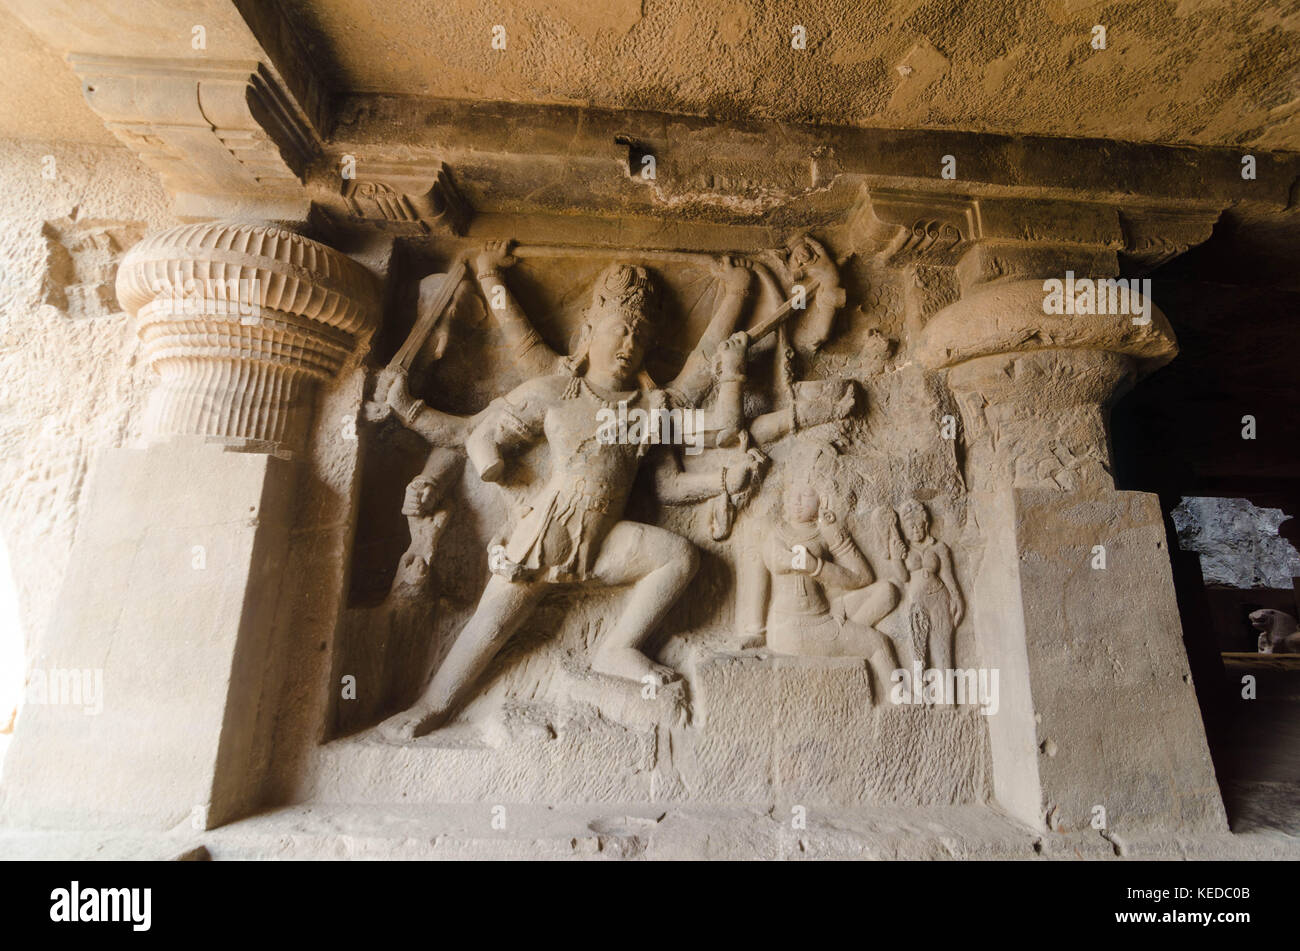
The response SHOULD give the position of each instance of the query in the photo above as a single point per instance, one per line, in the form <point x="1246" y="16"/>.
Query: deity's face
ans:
<point x="618" y="343"/>
<point x="915" y="523"/>
<point x="800" y="502"/>
<point x="801" y="254"/>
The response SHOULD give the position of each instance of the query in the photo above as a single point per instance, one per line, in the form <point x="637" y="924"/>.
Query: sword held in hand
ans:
<point x="437" y="291"/>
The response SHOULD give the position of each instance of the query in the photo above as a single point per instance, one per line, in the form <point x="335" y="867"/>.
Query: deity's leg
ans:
<point x="502" y="608"/>
<point x="753" y="582"/>
<point x="941" y="638"/>
<point x="871" y="604"/>
<point x="658" y="565"/>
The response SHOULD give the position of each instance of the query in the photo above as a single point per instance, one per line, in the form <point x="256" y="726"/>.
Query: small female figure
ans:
<point x="921" y="566"/>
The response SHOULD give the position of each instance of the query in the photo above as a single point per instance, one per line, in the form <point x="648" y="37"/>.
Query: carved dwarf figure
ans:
<point x="808" y="261"/>
<point x="922" y="567"/>
<point x="426" y="511"/>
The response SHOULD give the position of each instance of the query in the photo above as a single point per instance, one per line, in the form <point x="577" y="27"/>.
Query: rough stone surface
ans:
<point x="482" y="614"/>
<point x="635" y="831"/>
<point x="70" y="387"/>
<point x="1164" y="76"/>
<point x="1238" y="542"/>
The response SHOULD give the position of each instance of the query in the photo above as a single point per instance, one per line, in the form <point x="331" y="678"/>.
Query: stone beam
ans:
<point x="505" y="153"/>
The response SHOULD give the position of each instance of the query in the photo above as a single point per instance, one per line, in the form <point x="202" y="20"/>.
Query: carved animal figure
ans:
<point x="1278" y="632"/>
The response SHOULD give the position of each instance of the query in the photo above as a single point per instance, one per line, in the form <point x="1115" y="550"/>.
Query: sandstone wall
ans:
<point x="71" y="383"/>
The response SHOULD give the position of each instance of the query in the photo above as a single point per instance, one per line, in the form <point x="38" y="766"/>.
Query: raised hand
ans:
<point x="494" y="256"/>
<point x="399" y="393"/>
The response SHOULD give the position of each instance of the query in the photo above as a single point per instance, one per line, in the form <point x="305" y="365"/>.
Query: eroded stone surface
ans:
<point x="1238" y="542"/>
<point x="621" y="488"/>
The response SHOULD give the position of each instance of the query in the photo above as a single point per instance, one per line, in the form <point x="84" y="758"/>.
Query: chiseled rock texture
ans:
<point x="1198" y="71"/>
<point x="1238" y="542"/>
<point x="71" y="384"/>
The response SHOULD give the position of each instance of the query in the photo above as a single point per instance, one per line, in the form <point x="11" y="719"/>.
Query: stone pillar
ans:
<point x="180" y="559"/>
<point x="1073" y="597"/>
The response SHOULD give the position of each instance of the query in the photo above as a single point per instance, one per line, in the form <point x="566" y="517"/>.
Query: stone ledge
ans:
<point x="626" y="831"/>
<point x="767" y="730"/>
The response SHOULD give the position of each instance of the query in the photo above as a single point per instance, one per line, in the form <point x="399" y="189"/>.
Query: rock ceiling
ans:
<point x="1203" y="72"/>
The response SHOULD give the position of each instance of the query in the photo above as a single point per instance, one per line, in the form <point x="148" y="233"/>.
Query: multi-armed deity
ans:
<point x="805" y="586"/>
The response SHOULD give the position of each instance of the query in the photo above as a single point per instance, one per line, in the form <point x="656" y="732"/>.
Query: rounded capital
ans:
<point x="1110" y="315"/>
<point x="239" y="320"/>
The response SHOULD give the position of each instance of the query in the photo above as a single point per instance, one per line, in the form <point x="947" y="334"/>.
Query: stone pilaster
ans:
<point x="1099" y="735"/>
<point x="167" y="621"/>
<point x="241" y="321"/>
<point x="1035" y="388"/>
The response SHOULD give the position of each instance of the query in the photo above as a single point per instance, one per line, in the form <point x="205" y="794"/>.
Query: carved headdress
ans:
<point x="631" y="290"/>
<point x="913" y="508"/>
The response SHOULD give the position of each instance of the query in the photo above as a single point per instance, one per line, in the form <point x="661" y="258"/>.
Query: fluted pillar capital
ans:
<point x="240" y="321"/>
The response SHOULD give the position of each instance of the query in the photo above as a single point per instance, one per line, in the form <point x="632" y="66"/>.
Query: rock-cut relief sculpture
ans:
<point x="824" y="599"/>
<point x="922" y="568"/>
<point x="427" y="508"/>
<point x="569" y="527"/>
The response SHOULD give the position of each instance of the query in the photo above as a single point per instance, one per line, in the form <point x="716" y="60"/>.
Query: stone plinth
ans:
<point x="168" y="604"/>
<point x="1115" y="710"/>
<point x="769" y="731"/>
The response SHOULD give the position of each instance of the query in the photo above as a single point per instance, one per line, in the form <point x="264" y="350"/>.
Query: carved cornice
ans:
<point x="409" y="198"/>
<point x="1155" y="236"/>
<point x="206" y="127"/>
<point x="1007" y="237"/>
<point x="912" y="227"/>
